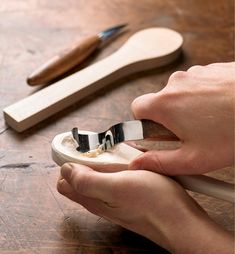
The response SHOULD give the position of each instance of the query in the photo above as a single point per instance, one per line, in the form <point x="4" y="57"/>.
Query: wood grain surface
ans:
<point x="34" y="218"/>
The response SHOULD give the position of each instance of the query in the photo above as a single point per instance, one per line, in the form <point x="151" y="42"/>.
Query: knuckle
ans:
<point x="177" y="75"/>
<point x="195" y="68"/>
<point x="142" y="104"/>
<point x="135" y="105"/>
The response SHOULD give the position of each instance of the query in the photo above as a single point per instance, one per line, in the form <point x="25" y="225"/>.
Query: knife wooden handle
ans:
<point x="63" y="62"/>
<point x="157" y="131"/>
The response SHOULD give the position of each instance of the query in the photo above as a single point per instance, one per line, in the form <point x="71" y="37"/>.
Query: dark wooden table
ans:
<point x="34" y="218"/>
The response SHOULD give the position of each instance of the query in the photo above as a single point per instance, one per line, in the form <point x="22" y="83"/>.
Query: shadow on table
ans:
<point x="89" y="234"/>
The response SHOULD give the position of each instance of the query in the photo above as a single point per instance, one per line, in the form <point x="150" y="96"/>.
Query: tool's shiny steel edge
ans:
<point x="129" y="130"/>
<point x="108" y="33"/>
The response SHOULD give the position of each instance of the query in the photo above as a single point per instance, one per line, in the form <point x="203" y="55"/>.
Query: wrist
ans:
<point x="202" y="235"/>
<point x="190" y="230"/>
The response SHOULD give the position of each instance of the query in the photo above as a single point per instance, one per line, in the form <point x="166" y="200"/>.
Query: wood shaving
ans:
<point x="94" y="153"/>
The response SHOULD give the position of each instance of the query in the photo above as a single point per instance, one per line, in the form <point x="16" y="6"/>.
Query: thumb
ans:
<point x="88" y="182"/>
<point x="171" y="162"/>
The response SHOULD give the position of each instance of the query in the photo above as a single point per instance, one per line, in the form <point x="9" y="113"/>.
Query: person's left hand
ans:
<point x="147" y="203"/>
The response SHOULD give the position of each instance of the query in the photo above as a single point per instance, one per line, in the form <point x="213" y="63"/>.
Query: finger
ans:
<point x="136" y="145"/>
<point x="93" y="205"/>
<point x="155" y="107"/>
<point x="171" y="162"/>
<point x="196" y="69"/>
<point x="87" y="182"/>
<point x="66" y="189"/>
<point x="147" y="106"/>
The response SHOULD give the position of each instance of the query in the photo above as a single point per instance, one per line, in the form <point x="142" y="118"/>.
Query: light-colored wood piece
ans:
<point x="149" y="48"/>
<point x="208" y="185"/>
<point x="64" y="150"/>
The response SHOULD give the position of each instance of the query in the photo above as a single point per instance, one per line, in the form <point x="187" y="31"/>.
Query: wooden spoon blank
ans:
<point x="117" y="159"/>
<point x="150" y="48"/>
<point x="64" y="150"/>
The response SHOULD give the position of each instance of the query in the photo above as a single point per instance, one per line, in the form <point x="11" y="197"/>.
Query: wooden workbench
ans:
<point x="34" y="218"/>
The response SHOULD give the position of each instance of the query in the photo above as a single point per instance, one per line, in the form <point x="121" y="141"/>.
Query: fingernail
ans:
<point x="63" y="187"/>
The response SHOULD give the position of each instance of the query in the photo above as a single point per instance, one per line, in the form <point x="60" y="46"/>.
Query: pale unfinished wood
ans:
<point x="149" y="48"/>
<point x="64" y="150"/>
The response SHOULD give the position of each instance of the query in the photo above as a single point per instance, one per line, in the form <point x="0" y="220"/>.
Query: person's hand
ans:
<point x="147" y="203"/>
<point x="198" y="106"/>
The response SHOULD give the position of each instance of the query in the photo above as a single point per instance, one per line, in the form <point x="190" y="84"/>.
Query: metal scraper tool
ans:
<point x="125" y="131"/>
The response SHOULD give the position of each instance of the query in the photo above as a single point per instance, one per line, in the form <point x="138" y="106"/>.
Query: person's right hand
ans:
<point x="198" y="106"/>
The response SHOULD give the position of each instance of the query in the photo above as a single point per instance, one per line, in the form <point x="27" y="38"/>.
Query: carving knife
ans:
<point x="71" y="57"/>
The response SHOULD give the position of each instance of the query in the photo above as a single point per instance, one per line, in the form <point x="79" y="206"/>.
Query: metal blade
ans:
<point x="130" y="130"/>
<point x="108" y="33"/>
